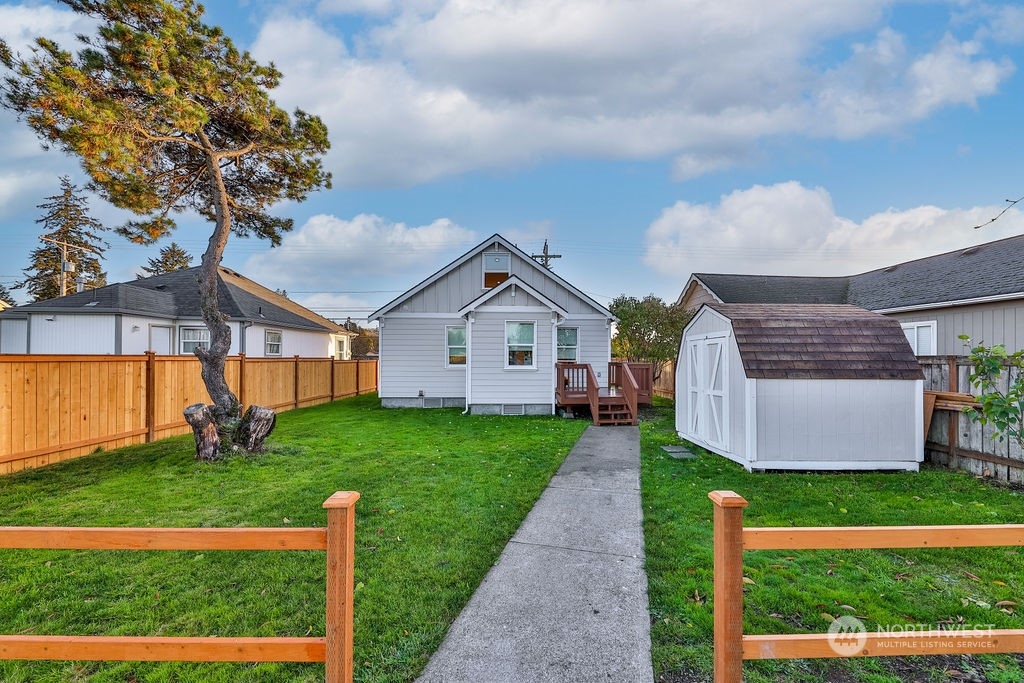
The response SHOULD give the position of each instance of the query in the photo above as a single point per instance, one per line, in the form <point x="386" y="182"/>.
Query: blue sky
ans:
<point x="645" y="140"/>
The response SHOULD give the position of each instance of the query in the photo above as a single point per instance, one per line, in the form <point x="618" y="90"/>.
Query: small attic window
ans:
<point x="497" y="265"/>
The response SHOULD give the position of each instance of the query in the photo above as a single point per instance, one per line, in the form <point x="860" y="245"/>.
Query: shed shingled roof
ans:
<point x="819" y="341"/>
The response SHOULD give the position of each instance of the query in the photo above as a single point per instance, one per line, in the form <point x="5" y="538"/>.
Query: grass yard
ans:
<point x="800" y="591"/>
<point x="441" y="495"/>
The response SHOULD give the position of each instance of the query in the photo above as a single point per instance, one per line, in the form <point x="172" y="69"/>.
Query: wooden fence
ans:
<point x="54" y="408"/>
<point x="956" y="441"/>
<point x="731" y="647"/>
<point x="334" y="648"/>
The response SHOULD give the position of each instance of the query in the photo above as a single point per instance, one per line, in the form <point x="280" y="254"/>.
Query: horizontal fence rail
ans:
<point x="53" y="408"/>
<point x="731" y="539"/>
<point x="334" y="649"/>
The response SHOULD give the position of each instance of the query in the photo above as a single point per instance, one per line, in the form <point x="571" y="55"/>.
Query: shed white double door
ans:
<point x="706" y="396"/>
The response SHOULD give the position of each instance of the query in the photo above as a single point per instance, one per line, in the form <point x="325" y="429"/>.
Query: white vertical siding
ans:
<point x="13" y="335"/>
<point x="493" y="383"/>
<point x="413" y="353"/>
<point x="842" y="422"/>
<point x="72" y="334"/>
<point x="137" y="341"/>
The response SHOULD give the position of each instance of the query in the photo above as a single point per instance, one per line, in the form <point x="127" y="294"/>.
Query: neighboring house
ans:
<point x="161" y="314"/>
<point x="485" y="333"/>
<point x="977" y="291"/>
<point x="800" y="386"/>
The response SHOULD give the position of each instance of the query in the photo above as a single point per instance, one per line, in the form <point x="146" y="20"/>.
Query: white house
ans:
<point x="800" y="386"/>
<point x="161" y="314"/>
<point x="485" y="333"/>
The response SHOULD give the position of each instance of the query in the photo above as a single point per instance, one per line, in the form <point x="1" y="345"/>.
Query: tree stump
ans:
<point x="257" y="423"/>
<point x="204" y="428"/>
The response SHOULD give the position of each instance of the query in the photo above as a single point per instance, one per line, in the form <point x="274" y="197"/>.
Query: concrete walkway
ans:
<point x="567" y="599"/>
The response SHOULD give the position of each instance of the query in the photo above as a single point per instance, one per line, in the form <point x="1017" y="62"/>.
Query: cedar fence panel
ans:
<point x="956" y="441"/>
<point x="54" y="408"/>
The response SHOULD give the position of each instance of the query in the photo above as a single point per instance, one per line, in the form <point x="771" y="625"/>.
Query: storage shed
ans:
<point x="800" y="387"/>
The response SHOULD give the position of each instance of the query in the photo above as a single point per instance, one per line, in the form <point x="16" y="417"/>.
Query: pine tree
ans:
<point x="167" y="116"/>
<point x="68" y="232"/>
<point x="172" y="258"/>
<point x="5" y="295"/>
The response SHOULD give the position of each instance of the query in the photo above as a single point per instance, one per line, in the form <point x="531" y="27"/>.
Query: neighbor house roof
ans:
<point x="986" y="272"/>
<point x="175" y="295"/>
<point x="819" y="341"/>
<point x="496" y="238"/>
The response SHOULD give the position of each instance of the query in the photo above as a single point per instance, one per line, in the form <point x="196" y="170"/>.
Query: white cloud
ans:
<point x="20" y="25"/>
<point x="328" y="254"/>
<point x="444" y="88"/>
<point x="789" y="229"/>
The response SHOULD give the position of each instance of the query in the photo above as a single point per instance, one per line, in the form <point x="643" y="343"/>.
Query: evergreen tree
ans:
<point x="5" y="295"/>
<point x="167" y="116"/>
<point x="172" y="258"/>
<point x="69" y="232"/>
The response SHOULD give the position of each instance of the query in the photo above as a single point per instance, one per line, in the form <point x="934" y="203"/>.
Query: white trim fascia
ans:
<point x="586" y="316"/>
<point x="750" y="387"/>
<point x="436" y="316"/>
<point x="469" y="361"/>
<point x="919" y="439"/>
<point x="694" y="280"/>
<point x="510" y="283"/>
<point x="952" y="304"/>
<point x="554" y="356"/>
<point x="469" y="255"/>
<point x="710" y="311"/>
<point x="526" y="310"/>
<point x="836" y="466"/>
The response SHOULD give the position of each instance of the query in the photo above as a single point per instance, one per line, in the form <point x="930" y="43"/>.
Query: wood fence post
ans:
<point x="341" y="540"/>
<point x="359" y="369"/>
<point x="332" y="365"/>
<point x="953" y="423"/>
<point x="728" y="597"/>
<point x="150" y="396"/>
<point x="296" y="382"/>
<point x="241" y="381"/>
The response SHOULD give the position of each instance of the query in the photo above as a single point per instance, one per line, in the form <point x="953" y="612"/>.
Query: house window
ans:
<point x="193" y="338"/>
<point x="568" y="344"/>
<point x="272" y="342"/>
<point x="456" y="344"/>
<point x="921" y="336"/>
<point x="497" y="266"/>
<point x="520" y="339"/>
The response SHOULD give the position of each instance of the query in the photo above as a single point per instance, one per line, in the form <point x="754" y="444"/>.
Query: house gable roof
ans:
<point x="989" y="271"/>
<point x="512" y="281"/>
<point x="483" y="246"/>
<point x="175" y="295"/>
<point x="819" y="341"/>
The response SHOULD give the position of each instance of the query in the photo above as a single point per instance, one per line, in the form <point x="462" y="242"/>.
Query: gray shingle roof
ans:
<point x="175" y="295"/>
<point x="987" y="270"/>
<point x="819" y="341"/>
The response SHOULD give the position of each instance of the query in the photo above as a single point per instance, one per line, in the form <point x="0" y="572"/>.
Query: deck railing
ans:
<point x="731" y="647"/>
<point x="334" y="649"/>
<point x="628" y="385"/>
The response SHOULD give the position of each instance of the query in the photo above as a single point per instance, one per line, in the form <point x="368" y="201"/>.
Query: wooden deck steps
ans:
<point x="616" y="404"/>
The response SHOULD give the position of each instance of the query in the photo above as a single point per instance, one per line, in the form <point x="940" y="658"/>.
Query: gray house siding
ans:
<point x="494" y="384"/>
<point x="416" y="351"/>
<point x="991" y="323"/>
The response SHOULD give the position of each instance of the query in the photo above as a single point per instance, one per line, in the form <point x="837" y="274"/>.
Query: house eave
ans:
<point x="996" y="298"/>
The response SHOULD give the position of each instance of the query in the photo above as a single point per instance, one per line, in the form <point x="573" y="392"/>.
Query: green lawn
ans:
<point x="441" y="495"/>
<point x="800" y="591"/>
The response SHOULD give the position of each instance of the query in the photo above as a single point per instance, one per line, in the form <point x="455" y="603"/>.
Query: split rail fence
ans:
<point x="334" y="649"/>
<point x="54" y="408"/>
<point x="732" y="647"/>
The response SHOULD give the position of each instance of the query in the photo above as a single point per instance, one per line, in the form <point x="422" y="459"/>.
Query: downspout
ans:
<point x="554" y="357"/>
<point x="469" y="361"/>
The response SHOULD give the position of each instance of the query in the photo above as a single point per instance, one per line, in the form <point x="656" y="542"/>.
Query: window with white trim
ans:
<point x="568" y="344"/>
<point x="272" y="342"/>
<point x="455" y="343"/>
<point x="520" y="344"/>
<point x="193" y="338"/>
<point x="497" y="268"/>
<point x="922" y="337"/>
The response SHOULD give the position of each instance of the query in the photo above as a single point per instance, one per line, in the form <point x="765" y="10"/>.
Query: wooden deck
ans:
<point x="630" y="385"/>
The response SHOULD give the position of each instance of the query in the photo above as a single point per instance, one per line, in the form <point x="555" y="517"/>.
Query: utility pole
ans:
<point x="65" y="265"/>
<point x="544" y="257"/>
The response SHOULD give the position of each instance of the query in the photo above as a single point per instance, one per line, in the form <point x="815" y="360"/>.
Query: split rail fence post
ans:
<point x="341" y="550"/>
<point x="728" y="597"/>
